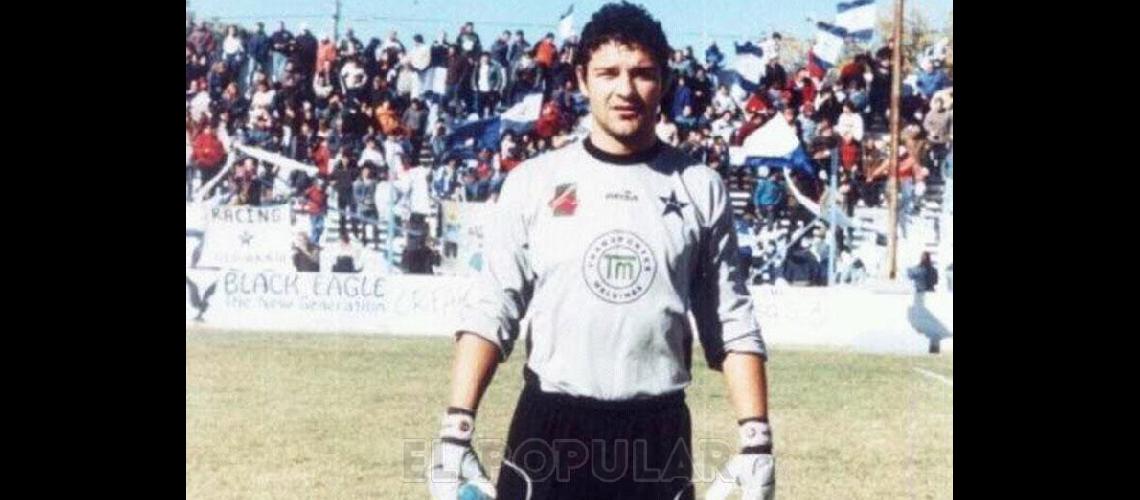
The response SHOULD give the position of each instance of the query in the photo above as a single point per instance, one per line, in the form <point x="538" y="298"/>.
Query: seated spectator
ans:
<point x="306" y="255"/>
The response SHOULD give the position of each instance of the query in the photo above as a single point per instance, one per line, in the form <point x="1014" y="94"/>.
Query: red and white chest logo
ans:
<point x="565" y="200"/>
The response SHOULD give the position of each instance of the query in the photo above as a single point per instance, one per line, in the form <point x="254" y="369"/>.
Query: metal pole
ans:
<point x="336" y="23"/>
<point x="832" y="241"/>
<point x="893" y="183"/>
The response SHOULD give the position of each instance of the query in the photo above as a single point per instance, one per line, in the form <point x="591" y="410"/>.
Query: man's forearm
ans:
<point x="747" y="384"/>
<point x="472" y="370"/>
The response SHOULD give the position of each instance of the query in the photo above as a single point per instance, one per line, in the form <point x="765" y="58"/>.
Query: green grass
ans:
<point x="343" y="416"/>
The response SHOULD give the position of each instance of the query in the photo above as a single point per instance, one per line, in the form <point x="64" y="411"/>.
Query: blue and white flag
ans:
<point x="470" y="138"/>
<point x="522" y="116"/>
<point x="858" y="18"/>
<point x="775" y="145"/>
<point x="749" y="67"/>
<point x="828" y="44"/>
<point x="566" y="24"/>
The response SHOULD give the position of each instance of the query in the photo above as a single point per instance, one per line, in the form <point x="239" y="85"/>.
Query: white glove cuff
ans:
<point x="755" y="433"/>
<point x="458" y="426"/>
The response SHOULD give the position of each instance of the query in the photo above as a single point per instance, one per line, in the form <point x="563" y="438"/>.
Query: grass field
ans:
<point x="344" y="416"/>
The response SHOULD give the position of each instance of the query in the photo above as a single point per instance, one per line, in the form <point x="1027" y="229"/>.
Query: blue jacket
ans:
<point x="767" y="193"/>
<point x="929" y="83"/>
<point x="713" y="57"/>
<point x="683" y="97"/>
<point x="259" y="47"/>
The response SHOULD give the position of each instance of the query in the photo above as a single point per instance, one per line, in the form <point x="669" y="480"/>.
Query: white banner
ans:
<point x="325" y="302"/>
<point x="247" y="237"/>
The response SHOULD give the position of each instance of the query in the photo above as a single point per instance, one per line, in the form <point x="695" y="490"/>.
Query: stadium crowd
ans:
<point x="370" y="119"/>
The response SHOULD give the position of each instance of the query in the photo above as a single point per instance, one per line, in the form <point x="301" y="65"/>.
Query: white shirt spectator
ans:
<point x="232" y="45"/>
<point x="262" y="100"/>
<point x="200" y="105"/>
<point x="394" y="157"/>
<point x="722" y="128"/>
<point x="850" y="123"/>
<point x="352" y="76"/>
<point x="483" y="84"/>
<point x="723" y="102"/>
<point x="420" y="58"/>
<point x="375" y="156"/>
<point x="418" y="189"/>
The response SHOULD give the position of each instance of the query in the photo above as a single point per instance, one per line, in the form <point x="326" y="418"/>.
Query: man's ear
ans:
<point x="580" y="72"/>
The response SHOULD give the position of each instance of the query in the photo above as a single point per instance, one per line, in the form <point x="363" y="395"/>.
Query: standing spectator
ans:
<point x="233" y="50"/>
<point x="518" y="47"/>
<point x="343" y="176"/>
<point x="364" y="192"/>
<point x="702" y="91"/>
<point x="774" y="74"/>
<point x="350" y="46"/>
<point x="326" y="55"/>
<point x="545" y="54"/>
<point x="321" y="156"/>
<point x="419" y="58"/>
<point x="439" y="51"/>
<point x="500" y="49"/>
<point x="768" y="196"/>
<point x="807" y="123"/>
<point x="850" y="122"/>
<point x="415" y="122"/>
<point x="487" y="80"/>
<point x="202" y="40"/>
<point x="209" y="155"/>
<point x="937" y="125"/>
<point x="828" y="106"/>
<point x="444" y="184"/>
<point x="316" y="205"/>
<point x="394" y="155"/>
<point x="260" y="61"/>
<point x="305" y="54"/>
<point x="281" y="49"/>
<point x="372" y="156"/>
<point x="458" y="70"/>
<point x="468" y="41"/>
<point x="390" y="50"/>
<point x="682" y="98"/>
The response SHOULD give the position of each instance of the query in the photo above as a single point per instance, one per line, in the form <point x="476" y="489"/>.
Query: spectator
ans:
<point x="500" y="49"/>
<point x="233" y="50"/>
<point x="306" y="255"/>
<point x="768" y="196"/>
<point x="487" y="81"/>
<point x="389" y="51"/>
<point x="343" y="177"/>
<point x="937" y="125"/>
<point x="774" y="74"/>
<point x="723" y="102"/>
<point x="931" y="79"/>
<point x="458" y="71"/>
<point x="850" y="122"/>
<point x="209" y="155"/>
<point x="723" y="126"/>
<point x="468" y="41"/>
<point x="545" y="54"/>
<point x="281" y="49"/>
<point x="316" y="205"/>
<point x="350" y="46"/>
<point x="347" y="255"/>
<point x="682" y="97"/>
<point x="320" y="155"/>
<point x="415" y="122"/>
<point x="305" y="53"/>
<point x="444" y="184"/>
<point x="828" y="106"/>
<point x="372" y="156"/>
<point x="519" y="47"/>
<point x="439" y="51"/>
<point x="394" y="155"/>
<point x="258" y="46"/>
<point x="326" y="54"/>
<point x="807" y="123"/>
<point x="924" y="275"/>
<point x="388" y="121"/>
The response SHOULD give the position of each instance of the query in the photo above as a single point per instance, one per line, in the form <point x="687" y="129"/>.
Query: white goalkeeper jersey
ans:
<point x="596" y="261"/>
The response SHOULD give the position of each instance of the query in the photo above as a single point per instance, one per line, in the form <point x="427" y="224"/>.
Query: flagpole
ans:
<point x="893" y="182"/>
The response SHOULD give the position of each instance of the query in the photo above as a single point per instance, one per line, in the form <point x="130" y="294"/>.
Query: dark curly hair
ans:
<point x="627" y="24"/>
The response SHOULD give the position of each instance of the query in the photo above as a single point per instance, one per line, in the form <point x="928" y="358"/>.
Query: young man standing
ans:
<point x="598" y="252"/>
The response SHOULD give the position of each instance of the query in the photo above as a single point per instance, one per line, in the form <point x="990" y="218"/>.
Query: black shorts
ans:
<point x="566" y="447"/>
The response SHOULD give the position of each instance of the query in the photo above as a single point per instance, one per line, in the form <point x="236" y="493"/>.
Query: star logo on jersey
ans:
<point x="672" y="205"/>
<point x="245" y="238"/>
<point x="565" y="200"/>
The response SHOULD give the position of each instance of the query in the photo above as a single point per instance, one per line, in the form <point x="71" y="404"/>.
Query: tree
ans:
<point x="917" y="34"/>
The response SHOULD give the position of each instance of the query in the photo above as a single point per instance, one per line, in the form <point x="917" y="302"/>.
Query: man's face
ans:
<point x="624" y="85"/>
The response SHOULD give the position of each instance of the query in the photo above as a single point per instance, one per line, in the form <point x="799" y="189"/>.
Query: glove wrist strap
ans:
<point x="755" y="436"/>
<point x="457" y="426"/>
